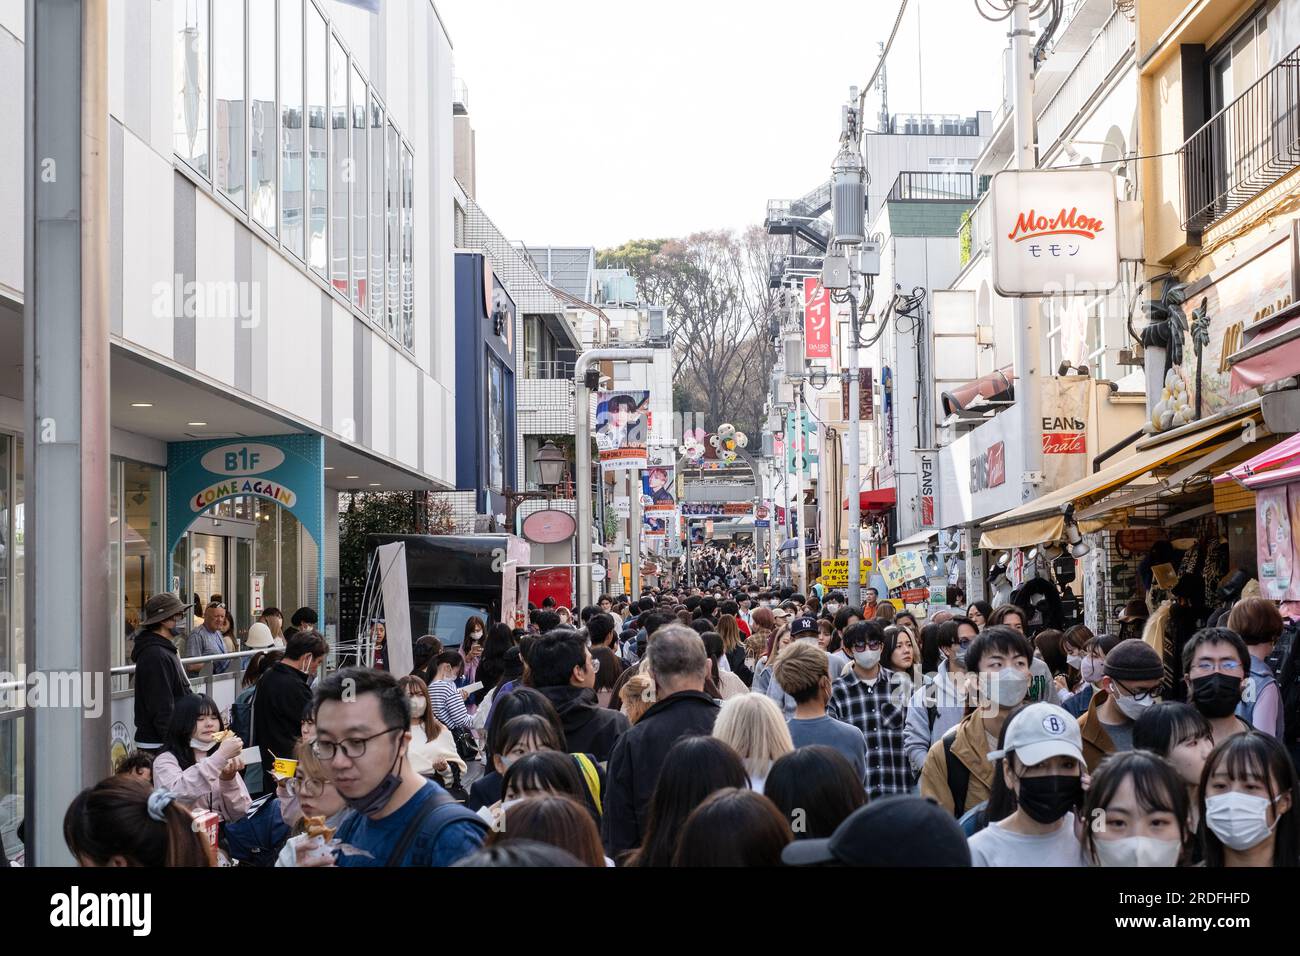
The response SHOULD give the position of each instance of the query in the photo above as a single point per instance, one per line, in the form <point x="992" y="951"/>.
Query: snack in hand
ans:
<point x="315" y="826"/>
<point x="221" y="735"/>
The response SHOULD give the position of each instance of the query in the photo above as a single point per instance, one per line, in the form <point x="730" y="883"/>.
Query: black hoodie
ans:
<point x="160" y="681"/>
<point x="588" y="727"/>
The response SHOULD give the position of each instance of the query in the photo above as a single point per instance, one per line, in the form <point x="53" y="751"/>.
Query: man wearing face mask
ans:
<point x="940" y="703"/>
<point x="870" y="698"/>
<point x="282" y="693"/>
<point x="1216" y="663"/>
<point x="160" y="678"/>
<point x="363" y="733"/>
<point x="1131" y="679"/>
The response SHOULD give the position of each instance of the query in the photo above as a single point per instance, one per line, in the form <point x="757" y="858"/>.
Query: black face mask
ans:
<point x="1047" y="799"/>
<point x="1216" y="695"/>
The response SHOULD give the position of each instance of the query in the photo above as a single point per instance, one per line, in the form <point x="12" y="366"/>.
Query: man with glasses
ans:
<point x="563" y="669"/>
<point x="1215" y="664"/>
<point x="871" y="698"/>
<point x="1131" y="679"/>
<point x="363" y="721"/>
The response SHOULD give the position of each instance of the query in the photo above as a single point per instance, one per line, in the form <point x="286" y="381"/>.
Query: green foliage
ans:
<point x="964" y="236"/>
<point x="633" y="255"/>
<point x="389" y="512"/>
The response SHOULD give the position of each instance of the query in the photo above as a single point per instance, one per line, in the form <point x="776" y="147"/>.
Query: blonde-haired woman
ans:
<point x="752" y="725"/>
<point x="637" y="695"/>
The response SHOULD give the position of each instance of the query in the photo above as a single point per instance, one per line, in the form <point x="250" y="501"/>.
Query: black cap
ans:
<point x="891" y="831"/>
<point x="1133" y="659"/>
<point x="803" y="625"/>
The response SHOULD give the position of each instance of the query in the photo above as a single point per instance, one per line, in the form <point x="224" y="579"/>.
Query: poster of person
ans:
<point x="1293" y="502"/>
<point x="657" y="485"/>
<point x="655" y="525"/>
<point x="1274" y="542"/>
<point x="622" y="427"/>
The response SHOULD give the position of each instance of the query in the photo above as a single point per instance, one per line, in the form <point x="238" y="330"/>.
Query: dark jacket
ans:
<point x="588" y="727"/>
<point x="486" y="790"/>
<point x="738" y="667"/>
<point x="159" y="682"/>
<point x="639" y="756"/>
<point x="282" y="696"/>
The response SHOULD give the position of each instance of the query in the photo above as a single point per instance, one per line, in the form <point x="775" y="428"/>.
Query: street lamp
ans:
<point x="550" y="464"/>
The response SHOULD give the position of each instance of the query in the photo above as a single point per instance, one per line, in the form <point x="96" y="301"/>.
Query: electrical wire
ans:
<point x="880" y="64"/>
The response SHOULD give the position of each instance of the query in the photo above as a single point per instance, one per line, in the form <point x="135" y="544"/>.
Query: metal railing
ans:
<point x="934" y="124"/>
<point x="924" y="186"/>
<point x="1104" y="54"/>
<point x="549" y="370"/>
<point x="1245" y="147"/>
<point x="459" y="96"/>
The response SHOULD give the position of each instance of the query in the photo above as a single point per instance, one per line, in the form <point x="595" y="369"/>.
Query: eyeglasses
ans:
<point x="297" y="786"/>
<point x="869" y="645"/>
<point x="1139" y="695"/>
<point x="1201" y="668"/>
<point x="353" y="747"/>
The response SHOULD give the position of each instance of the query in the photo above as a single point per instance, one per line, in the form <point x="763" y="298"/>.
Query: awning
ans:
<point x="878" y="499"/>
<point x="921" y="537"/>
<point x="1272" y="351"/>
<point x="1043" y="519"/>
<point x="1279" y="454"/>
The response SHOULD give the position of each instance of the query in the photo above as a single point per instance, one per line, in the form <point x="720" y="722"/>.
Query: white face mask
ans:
<point x="1074" y="660"/>
<point x="867" y="659"/>
<point x="1138" y="851"/>
<point x="1132" y="708"/>
<point x="1008" y="687"/>
<point x="832" y="607"/>
<point x="1238" y="819"/>
<point x="418" y="706"/>
<point x="1092" y="669"/>
<point x="200" y="745"/>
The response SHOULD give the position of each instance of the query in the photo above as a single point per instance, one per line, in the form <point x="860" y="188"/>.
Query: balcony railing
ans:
<point x="927" y="186"/>
<point x="1246" y="147"/>
<point x="549" y="370"/>
<point x="1098" y="62"/>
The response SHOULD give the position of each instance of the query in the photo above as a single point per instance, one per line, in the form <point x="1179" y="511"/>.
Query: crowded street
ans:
<point x="509" y="434"/>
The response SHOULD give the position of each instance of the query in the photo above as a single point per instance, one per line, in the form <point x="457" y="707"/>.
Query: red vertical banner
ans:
<point x="816" y="319"/>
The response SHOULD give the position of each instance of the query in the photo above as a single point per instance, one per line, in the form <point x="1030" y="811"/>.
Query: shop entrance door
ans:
<point x="214" y="557"/>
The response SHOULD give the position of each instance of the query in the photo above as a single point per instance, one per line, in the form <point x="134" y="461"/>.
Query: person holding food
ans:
<point x="313" y="807"/>
<point x="200" y="761"/>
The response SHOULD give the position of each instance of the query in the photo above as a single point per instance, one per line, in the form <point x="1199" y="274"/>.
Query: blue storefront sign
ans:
<point x="286" y="469"/>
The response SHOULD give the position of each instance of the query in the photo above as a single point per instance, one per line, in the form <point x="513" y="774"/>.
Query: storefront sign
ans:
<point x="866" y="399"/>
<point x="817" y="319"/>
<point x="974" y="471"/>
<point x="835" y="572"/>
<point x="928" y="463"/>
<point x="286" y="469"/>
<point x="989" y="469"/>
<point x="549" y="526"/>
<point x="1054" y="232"/>
<point x="1275" y="553"/>
<point x="717" y="509"/>
<point x="257" y="589"/>
<point x="622" y="428"/>
<point x="1065" y="429"/>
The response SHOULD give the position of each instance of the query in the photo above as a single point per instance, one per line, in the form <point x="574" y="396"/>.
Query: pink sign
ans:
<point x="816" y="319"/>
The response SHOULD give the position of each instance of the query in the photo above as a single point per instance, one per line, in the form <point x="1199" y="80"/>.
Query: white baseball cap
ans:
<point x="1039" y="732"/>
<point x="259" y="637"/>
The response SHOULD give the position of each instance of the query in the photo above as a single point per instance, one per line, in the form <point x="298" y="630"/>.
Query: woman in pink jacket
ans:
<point x="199" y="770"/>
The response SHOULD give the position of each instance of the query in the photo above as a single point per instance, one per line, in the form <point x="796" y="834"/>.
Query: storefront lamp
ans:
<point x="550" y="464"/>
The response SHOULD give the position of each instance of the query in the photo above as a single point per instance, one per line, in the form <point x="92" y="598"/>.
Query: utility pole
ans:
<point x="582" y="389"/>
<point x="66" y="401"/>
<point x="1027" y="345"/>
<point x="634" y="529"/>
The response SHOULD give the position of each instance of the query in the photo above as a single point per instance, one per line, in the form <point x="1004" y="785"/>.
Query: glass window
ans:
<point x="291" y="129"/>
<point x="341" y="170"/>
<point x="360" y="188"/>
<point x="7" y="622"/>
<point x="496" y="417"/>
<point x="142" y="544"/>
<point x="118" y="604"/>
<point x="228" y="99"/>
<point x="376" y="212"/>
<point x="392" y="228"/>
<point x="289" y="593"/>
<point x="408" y="239"/>
<point x="190" y="82"/>
<point x="317" y="170"/>
<point x="262" y="121"/>
<point x="265" y="559"/>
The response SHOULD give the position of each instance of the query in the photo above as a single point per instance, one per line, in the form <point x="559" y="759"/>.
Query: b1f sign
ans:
<point x="1055" y="232"/>
<point x="816" y="319"/>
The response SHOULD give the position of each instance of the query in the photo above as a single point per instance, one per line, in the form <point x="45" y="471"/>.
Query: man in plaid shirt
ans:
<point x="874" y="700"/>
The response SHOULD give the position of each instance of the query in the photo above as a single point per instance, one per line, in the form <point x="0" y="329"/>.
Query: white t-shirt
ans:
<point x="997" y="846"/>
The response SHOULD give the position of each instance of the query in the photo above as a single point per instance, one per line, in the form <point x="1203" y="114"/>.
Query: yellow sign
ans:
<point x="835" y="572"/>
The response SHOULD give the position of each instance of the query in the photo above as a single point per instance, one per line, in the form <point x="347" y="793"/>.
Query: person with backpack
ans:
<point x="939" y="704"/>
<point x="363" y="733"/>
<point x="957" y="773"/>
<point x="1258" y="622"/>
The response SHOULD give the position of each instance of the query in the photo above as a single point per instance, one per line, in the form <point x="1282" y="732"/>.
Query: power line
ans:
<point x="880" y="65"/>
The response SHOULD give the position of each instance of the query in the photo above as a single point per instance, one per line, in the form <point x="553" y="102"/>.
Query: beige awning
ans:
<point x="1043" y="519"/>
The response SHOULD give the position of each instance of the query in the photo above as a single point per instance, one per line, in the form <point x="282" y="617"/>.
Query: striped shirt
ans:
<point x="449" y="705"/>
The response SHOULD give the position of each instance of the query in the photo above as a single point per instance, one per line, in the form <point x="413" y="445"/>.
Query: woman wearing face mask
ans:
<point x="1215" y="664"/>
<point x="1248" y="801"/>
<point x="1091" y="668"/>
<point x="432" y="750"/>
<point x="1039" y="772"/>
<point x="1181" y="734"/>
<point x="518" y="702"/>
<point x="198" y="769"/>
<point x="1135" y="813"/>
<point x="471" y="649"/>
<point x="763" y="669"/>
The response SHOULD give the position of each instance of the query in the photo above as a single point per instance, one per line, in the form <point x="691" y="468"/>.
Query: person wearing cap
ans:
<point x="160" y="678"/>
<point x="801" y="629"/>
<point x="1131" y="679"/>
<point x="870" y="697"/>
<point x="891" y="832"/>
<point x="957" y="773"/>
<point x="1041" y="766"/>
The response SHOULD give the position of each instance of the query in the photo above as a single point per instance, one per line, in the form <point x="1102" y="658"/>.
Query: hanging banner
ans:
<point x="657" y="485"/>
<point x="622" y="427"/>
<point x="1065" y="430"/>
<point x="1274" y="551"/>
<point x="655" y="525"/>
<point x="866" y="399"/>
<point x="795" y="442"/>
<point x="816" y="319"/>
<point x="717" y="509"/>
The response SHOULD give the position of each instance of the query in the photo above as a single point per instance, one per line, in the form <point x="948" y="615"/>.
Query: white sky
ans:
<point x="599" y="122"/>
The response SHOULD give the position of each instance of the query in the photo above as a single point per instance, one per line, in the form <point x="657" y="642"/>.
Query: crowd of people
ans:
<point x="723" y="727"/>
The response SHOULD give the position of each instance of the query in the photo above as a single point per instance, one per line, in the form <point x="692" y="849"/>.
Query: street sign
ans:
<point x="598" y="573"/>
<point x="835" y="571"/>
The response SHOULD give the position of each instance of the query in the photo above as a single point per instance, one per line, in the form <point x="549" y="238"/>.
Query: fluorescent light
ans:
<point x="197" y="424"/>
<point x="351" y="477"/>
<point x="142" y="404"/>
<point x="375" y="484"/>
<point x="329" y="467"/>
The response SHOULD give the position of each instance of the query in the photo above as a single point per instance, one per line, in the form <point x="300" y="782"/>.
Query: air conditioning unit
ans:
<point x="658" y="322"/>
<point x="613" y="335"/>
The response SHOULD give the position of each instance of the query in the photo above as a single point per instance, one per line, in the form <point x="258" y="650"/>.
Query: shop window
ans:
<point x="291" y="127"/>
<point x="377" y="259"/>
<point x="190" y="82"/>
<point x="496" y="419"/>
<point x="392" y="228"/>
<point x="228" y="101"/>
<point x="262" y="114"/>
<point x="408" y="241"/>
<point x="317" y="148"/>
<point x="341" y="169"/>
<point x="266" y="559"/>
<point x="289" y="563"/>
<point x="360" y="188"/>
